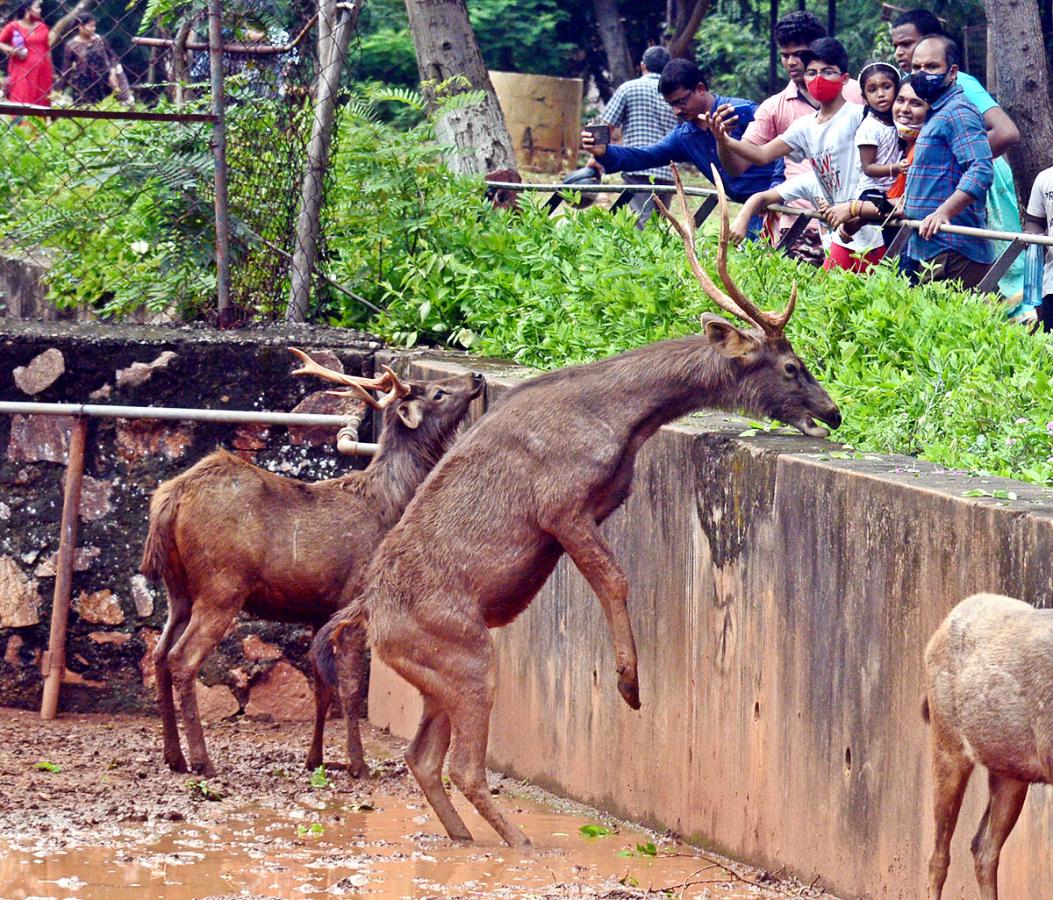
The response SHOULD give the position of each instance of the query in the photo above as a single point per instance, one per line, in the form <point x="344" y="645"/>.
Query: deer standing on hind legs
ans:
<point x="226" y="535"/>
<point x="989" y="700"/>
<point x="532" y="480"/>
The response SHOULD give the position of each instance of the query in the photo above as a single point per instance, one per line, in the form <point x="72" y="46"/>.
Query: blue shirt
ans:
<point x="951" y="153"/>
<point x="643" y="116"/>
<point x="689" y="143"/>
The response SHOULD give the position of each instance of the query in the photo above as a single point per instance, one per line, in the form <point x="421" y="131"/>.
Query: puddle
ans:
<point x="88" y="812"/>
<point x="395" y="850"/>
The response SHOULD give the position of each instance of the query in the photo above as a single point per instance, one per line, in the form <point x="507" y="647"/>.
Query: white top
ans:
<point x="831" y="148"/>
<point x="807" y="187"/>
<point x="872" y="132"/>
<point x="1040" y="205"/>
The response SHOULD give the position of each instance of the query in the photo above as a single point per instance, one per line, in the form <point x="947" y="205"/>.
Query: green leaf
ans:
<point x="319" y="779"/>
<point x="594" y="831"/>
<point x="976" y="492"/>
<point x="45" y="766"/>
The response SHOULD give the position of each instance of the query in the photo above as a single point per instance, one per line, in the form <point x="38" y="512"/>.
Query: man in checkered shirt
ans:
<point x="644" y="119"/>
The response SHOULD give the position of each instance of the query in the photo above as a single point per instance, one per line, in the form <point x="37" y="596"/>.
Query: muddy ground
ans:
<point x="87" y="811"/>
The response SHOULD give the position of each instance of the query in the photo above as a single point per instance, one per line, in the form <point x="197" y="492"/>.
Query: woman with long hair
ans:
<point x="25" y="40"/>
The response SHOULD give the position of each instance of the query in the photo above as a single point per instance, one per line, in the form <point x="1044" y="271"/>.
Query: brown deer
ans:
<point x="989" y="700"/>
<point x="226" y="535"/>
<point x="530" y="481"/>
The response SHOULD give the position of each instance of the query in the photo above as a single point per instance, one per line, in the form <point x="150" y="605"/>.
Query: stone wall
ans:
<point x="781" y="600"/>
<point x="116" y="616"/>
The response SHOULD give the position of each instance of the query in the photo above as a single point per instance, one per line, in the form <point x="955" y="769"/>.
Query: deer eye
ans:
<point x="439" y="394"/>
<point x="791" y="370"/>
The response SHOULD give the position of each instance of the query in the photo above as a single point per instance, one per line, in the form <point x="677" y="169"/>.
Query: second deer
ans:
<point x="226" y="535"/>
<point x="532" y="480"/>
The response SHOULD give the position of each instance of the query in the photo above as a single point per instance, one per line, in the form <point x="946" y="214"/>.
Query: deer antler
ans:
<point x="357" y="385"/>
<point x="738" y="304"/>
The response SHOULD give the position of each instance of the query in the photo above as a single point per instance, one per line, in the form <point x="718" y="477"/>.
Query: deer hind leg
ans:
<point x="178" y="617"/>
<point x="323" y="699"/>
<point x="1003" y="809"/>
<point x="951" y="769"/>
<point x="425" y="756"/>
<point x="351" y="666"/>
<point x="208" y="623"/>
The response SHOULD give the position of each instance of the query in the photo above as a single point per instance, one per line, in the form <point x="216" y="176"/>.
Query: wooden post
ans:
<point x="54" y="662"/>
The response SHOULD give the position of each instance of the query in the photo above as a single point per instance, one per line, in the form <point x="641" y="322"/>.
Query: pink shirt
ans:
<point x="777" y="113"/>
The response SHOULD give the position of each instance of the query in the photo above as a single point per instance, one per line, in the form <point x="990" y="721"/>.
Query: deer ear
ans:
<point x="725" y="337"/>
<point x="411" y="413"/>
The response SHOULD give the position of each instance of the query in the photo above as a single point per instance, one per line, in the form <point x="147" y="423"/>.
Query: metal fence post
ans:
<point x="219" y="152"/>
<point x="54" y="663"/>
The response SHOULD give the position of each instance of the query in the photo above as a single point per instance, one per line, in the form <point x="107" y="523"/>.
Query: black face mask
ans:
<point x="929" y="85"/>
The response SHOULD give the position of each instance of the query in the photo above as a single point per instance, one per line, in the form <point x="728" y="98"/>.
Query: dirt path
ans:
<point x="87" y="812"/>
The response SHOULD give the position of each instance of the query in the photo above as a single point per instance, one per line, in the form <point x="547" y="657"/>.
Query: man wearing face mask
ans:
<point x="1003" y="212"/>
<point x="951" y="173"/>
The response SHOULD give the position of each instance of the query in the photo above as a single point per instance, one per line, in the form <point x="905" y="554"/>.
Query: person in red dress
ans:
<point x="26" y="41"/>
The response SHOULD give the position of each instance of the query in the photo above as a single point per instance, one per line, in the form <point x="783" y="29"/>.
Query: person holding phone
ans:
<point x="26" y="42"/>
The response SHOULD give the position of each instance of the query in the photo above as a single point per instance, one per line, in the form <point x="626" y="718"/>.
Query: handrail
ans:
<point x="1019" y="236"/>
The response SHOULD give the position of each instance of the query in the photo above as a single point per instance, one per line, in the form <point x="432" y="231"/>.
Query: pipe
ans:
<point x="53" y="666"/>
<point x="219" y="151"/>
<point x="230" y="416"/>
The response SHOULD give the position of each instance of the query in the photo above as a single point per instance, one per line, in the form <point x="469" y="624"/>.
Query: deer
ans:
<point x="988" y="700"/>
<point x="226" y="536"/>
<point x="531" y="480"/>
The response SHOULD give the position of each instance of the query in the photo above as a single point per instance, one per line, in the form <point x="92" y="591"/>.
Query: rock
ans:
<point x="322" y="403"/>
<point x="5" y="512"/>
<point x="216" y="702"/>
<point x="14" y="644"/>
<point x="251" y="437"/>
<point x="82" y="559"/>
<point x="283" y="693"/>
<point x="241" y="679"/>
<point x="40" y="438"/>
<point x="42" y="372"/>
<point x="110" y="637"/>
<point x="140" y="438"/>
<point x="102" y="393"/>
<point x="19" y="599"/>
<point x="71" y="677"/>
<point x="99" y="608"/>
<point x="139" y="373"/>
<point x="146" y="663"/>
<point x="142" y="596"/>
<point x="94" y="498"/>
<point x="256" y="649"/>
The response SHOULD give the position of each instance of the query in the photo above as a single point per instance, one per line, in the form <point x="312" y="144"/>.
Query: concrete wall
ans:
<point x="781" y="601"/>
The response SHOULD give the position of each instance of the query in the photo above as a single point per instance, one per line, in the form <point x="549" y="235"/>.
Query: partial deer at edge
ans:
<point x="226" y="535"/>
<point x="530" y="481"/>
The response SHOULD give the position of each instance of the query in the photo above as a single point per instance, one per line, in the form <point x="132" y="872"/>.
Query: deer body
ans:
<point x="227" y="536"/>
<point x="989" y="700"/>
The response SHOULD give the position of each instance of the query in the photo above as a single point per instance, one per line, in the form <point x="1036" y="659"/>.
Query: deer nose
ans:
<point x="834" y="418"/>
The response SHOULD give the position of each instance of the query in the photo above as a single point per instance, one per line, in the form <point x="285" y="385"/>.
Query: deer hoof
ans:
<point x="177" y="763"/>
<point x="358" y="769"/>
<point x="630" y="691"/>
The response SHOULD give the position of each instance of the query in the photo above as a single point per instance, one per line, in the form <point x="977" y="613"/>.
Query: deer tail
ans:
<point x="925" y="709"/>
<point x="159" y="545"/>
<point x="324" y="647"/>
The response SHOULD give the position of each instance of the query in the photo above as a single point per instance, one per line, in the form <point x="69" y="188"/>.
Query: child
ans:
<point x="1039" y="218"/>
<point x="908" y="115"/>
<point x="827" y="139"/>
<point x="877" y="140"/>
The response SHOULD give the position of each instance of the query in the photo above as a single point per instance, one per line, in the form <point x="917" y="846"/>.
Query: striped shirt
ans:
<point x="643" y="115"/>
<point x="951" y="153"/>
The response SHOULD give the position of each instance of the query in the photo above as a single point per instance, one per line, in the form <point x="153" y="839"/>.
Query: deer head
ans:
<point x="772" y="380"/>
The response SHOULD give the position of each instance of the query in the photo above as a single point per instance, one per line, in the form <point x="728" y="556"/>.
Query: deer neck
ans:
<point x="394" y="476"/>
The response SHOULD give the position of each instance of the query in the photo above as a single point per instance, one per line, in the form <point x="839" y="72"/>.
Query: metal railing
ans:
<point x="53" y="662"/>
<point x="1017" y="240"/>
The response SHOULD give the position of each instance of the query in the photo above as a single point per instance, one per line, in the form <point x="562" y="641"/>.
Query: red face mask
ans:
<point x="824" y="89"/>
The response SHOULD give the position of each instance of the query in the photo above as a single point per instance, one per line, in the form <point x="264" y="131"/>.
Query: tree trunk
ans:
<point x="612" y="33"/>
<point x="336" y="22"/>
<point x="690" y="14"/>
<point x="1023" y="84"/>
<point x="446" y="47"/>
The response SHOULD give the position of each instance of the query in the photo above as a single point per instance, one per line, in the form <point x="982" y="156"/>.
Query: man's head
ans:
<point x="794" y="33"/>
<point x="934" y="66"/>
<point x="684" y="87"/>
<point x="908" y="30"/>
<point x="86" y="26"/>
<point x="825" y="68"/>
<point x="655" y="59"/>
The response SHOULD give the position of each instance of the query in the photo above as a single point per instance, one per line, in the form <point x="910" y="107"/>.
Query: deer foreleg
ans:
<point x="585" y="545"/>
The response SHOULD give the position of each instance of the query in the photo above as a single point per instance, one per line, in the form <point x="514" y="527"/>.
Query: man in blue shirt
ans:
<point x="686" y="91"/>
<point x="952" y="171"/>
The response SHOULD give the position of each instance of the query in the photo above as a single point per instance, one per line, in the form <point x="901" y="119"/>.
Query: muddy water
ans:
<point x="394" y="850"/>
<point x="87" y="811"/>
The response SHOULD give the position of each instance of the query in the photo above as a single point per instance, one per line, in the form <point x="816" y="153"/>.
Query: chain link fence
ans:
<point x="130" y="130"/>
